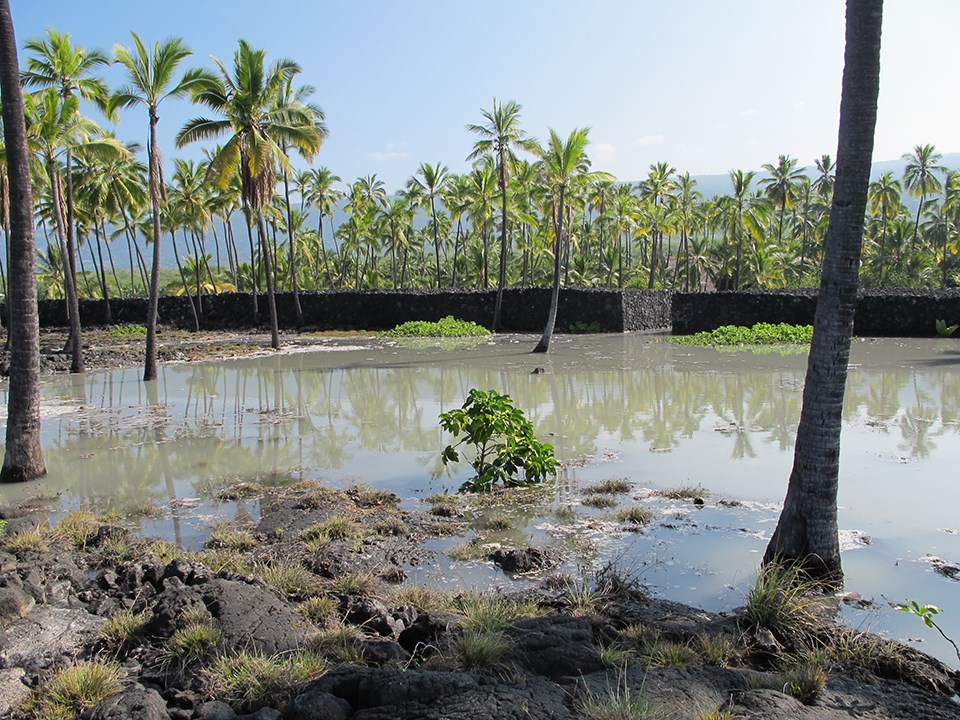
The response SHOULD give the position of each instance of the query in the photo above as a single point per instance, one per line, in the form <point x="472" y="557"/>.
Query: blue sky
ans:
<point x="705" y="86"/>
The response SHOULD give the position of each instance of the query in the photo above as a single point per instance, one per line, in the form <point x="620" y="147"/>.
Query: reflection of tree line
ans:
<point x="281" y="414"/>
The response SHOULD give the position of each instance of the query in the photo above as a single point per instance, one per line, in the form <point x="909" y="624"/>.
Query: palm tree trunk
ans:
<point x="292" y="254"/>
<point x="22" y="458"/>
<point x="150" y="353"/>
<point x="544" y="344"/>
<point x="806" y="533"/>
<point x="102" y="276"/>
<point x="253" y="262"/>
<point x="268" y="273"/>
<point x="502" y="277"/>
<point x="183" y="280"/>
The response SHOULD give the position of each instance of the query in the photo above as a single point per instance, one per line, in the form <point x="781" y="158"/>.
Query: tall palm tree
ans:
<point x="245" y="98"/>
<point x="323" y="194"/>
<point x="920" y="178"/>
<point x="22" y="457"/>
<point x="781" y="187"/>
<point x="884" y="197"/>
<point x="823" y="183"/>
<point x="69" y="71"/>
<point x="56" y="129"/>
<point x="287" y="97"/>
<point x="151" y="80"/>
<point x="432" y="179"/>
<point x="498" y="138"/>
<point x="806" y="533"/>
<point x="562" y="162"/>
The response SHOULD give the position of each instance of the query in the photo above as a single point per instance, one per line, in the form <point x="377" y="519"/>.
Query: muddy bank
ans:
<point x="106" y="348"/>
<point x="307" y="613"/>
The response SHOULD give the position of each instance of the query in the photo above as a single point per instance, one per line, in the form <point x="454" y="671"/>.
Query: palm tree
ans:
<point x="919" y="177"/>
<point x="67" y="70"/>
<point x="884" y="196"/>
<point x="562" y="162"/>
<point x="286" y="98"/>
<point x="432" y="179"/>
<point x="781" y="187"/>
<point x="806" y="532"/>
<point x="151" y="76"/>
<point x="55" y="128"/>
<point x="741" y="219"/>
<point x="245" y="99"/>
<point x="498" y="138"/>
<point x="22" y="457"/>
<point x="825" y="179"/>
<point x="322" y="194"/>
<point x="655" y="190"/>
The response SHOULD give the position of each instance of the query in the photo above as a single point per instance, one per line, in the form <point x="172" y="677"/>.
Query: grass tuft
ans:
<point x="613" y="486"/>
<point x="635" y="515"/>
<point x="599" y="502"/>
<point x="288" y="576"/>
<point x="123" y="627"/>
<point x="684" y="492"/>
<point x="779" y="599"/>
<point x="479" y="650"/>
<point x="423" y="598"/>
<point x="357" y="583"/>
<point x="37" y="540"/>
<point x="619" y="702"/>
<point x="77" y="527"/>
<point x="249" y="676"/>
<point x="192" y="643"/>
<point x="229" y="538"/>
<point x="73" y="689"/>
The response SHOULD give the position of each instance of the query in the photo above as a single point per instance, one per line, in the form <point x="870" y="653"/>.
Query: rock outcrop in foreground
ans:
<point x="306" y="615"/>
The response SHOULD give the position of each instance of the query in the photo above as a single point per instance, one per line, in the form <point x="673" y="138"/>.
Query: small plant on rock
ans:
<point x="123" y="627"/>
<point x="191" y="643"/>
<point x="478" y="650"/>
<point x="926" y="613"/>
<point x="503" y="442"/>
<point x="944" y="330"/>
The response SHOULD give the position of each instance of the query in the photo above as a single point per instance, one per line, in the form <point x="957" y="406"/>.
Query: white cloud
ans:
<point x="388" y="155"/>
<point x="649" y="140"/>
<point x="603" y="152"/>
<point x="749" y="112"/>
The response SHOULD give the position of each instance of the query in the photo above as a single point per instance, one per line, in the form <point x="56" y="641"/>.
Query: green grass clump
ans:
<point x="249" y="676"/>
<point x="445" y="327"/>
<point x="600" y="502"/>
<point x="191" y="643"/>
<point x="619" y="702"/>
<point x="340" y="643"/>
<point x="371" y="497"/>
<point x="319" y="609"/>
<point x="123" y="627"/>
<point x="77" y="527"/>
<point x="356" y="583"/>
<point x="36" y="540"/>
<point x="805" y="680"/>
<point x="719" y="650"/>
<point x="3" y="526"/>
<point x="228" y="538"/>
<point x="291" y="578"/>
<point x="779" y="600"/>
<point x="635" y="515"/>
<point x="128" y="331"/>
<point x="493" y="612"/>
<point x="613" y="486"/>
<point x="334" y="528"/>
<point x="669" y="654"/>
<point x="759" y="334"/>
<point x="422" y="598"/>
<point x="684" y="492"/>
<point x="72" y="690"/>
<point x="479" y="650"/>
<point x="391" y="526"/>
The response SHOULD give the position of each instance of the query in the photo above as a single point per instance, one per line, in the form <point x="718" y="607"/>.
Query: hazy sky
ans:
<point x="706" y="86"/>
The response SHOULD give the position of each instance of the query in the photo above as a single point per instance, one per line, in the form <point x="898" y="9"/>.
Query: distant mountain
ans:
<point x="713" y="185"/>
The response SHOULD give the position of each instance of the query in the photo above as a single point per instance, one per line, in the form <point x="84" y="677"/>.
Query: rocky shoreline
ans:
<point x="307" y="613"/>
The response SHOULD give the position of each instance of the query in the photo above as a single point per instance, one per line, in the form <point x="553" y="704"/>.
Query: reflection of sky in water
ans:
<point x="657" y="414"/>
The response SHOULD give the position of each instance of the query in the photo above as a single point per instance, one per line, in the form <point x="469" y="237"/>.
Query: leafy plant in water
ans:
<point x="582" y="327"/>
<point x="445" y="327"/>
<point x="944" y="330"/>
<point x="926" y="613"/>
<point x="759" y="334"/>
<point x="503" y="442"/>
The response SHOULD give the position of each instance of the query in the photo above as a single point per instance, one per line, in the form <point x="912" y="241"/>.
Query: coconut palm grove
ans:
<point x="261" y="211"/>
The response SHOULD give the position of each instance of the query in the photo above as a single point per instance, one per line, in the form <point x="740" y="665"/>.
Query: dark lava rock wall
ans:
<point x="910" y="313"/>
<point x="524" y="309"/>
<point x="880" y="313"/>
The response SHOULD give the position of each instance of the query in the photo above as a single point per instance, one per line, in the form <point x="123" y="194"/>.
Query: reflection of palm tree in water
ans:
<point x="915" y="425"/>
<point x="159" y="438"/>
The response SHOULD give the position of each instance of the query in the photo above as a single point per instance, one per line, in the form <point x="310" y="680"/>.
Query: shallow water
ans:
<point x="629" y="406"/>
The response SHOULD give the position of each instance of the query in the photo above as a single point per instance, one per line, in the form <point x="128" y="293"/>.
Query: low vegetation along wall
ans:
<point x="879" y="313"/>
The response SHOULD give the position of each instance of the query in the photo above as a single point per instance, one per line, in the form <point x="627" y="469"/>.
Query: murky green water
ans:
<point x="614" y="406"/>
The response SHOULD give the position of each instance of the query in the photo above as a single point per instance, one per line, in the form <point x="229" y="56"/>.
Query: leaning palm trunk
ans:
<point x="183" y="280"/>
<point x="70" y="259"/>
<point x="544" y="344"/>
<point x="292" y="256"/>
<point x="806" y="533"/>
<point x="22" y="458"/>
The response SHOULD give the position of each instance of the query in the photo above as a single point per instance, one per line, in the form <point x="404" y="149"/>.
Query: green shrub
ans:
<point x="445" y="327"/>
<point x="759" y="334"/>
<point x="502" y="439"/>
<point x="128" y="331"/>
